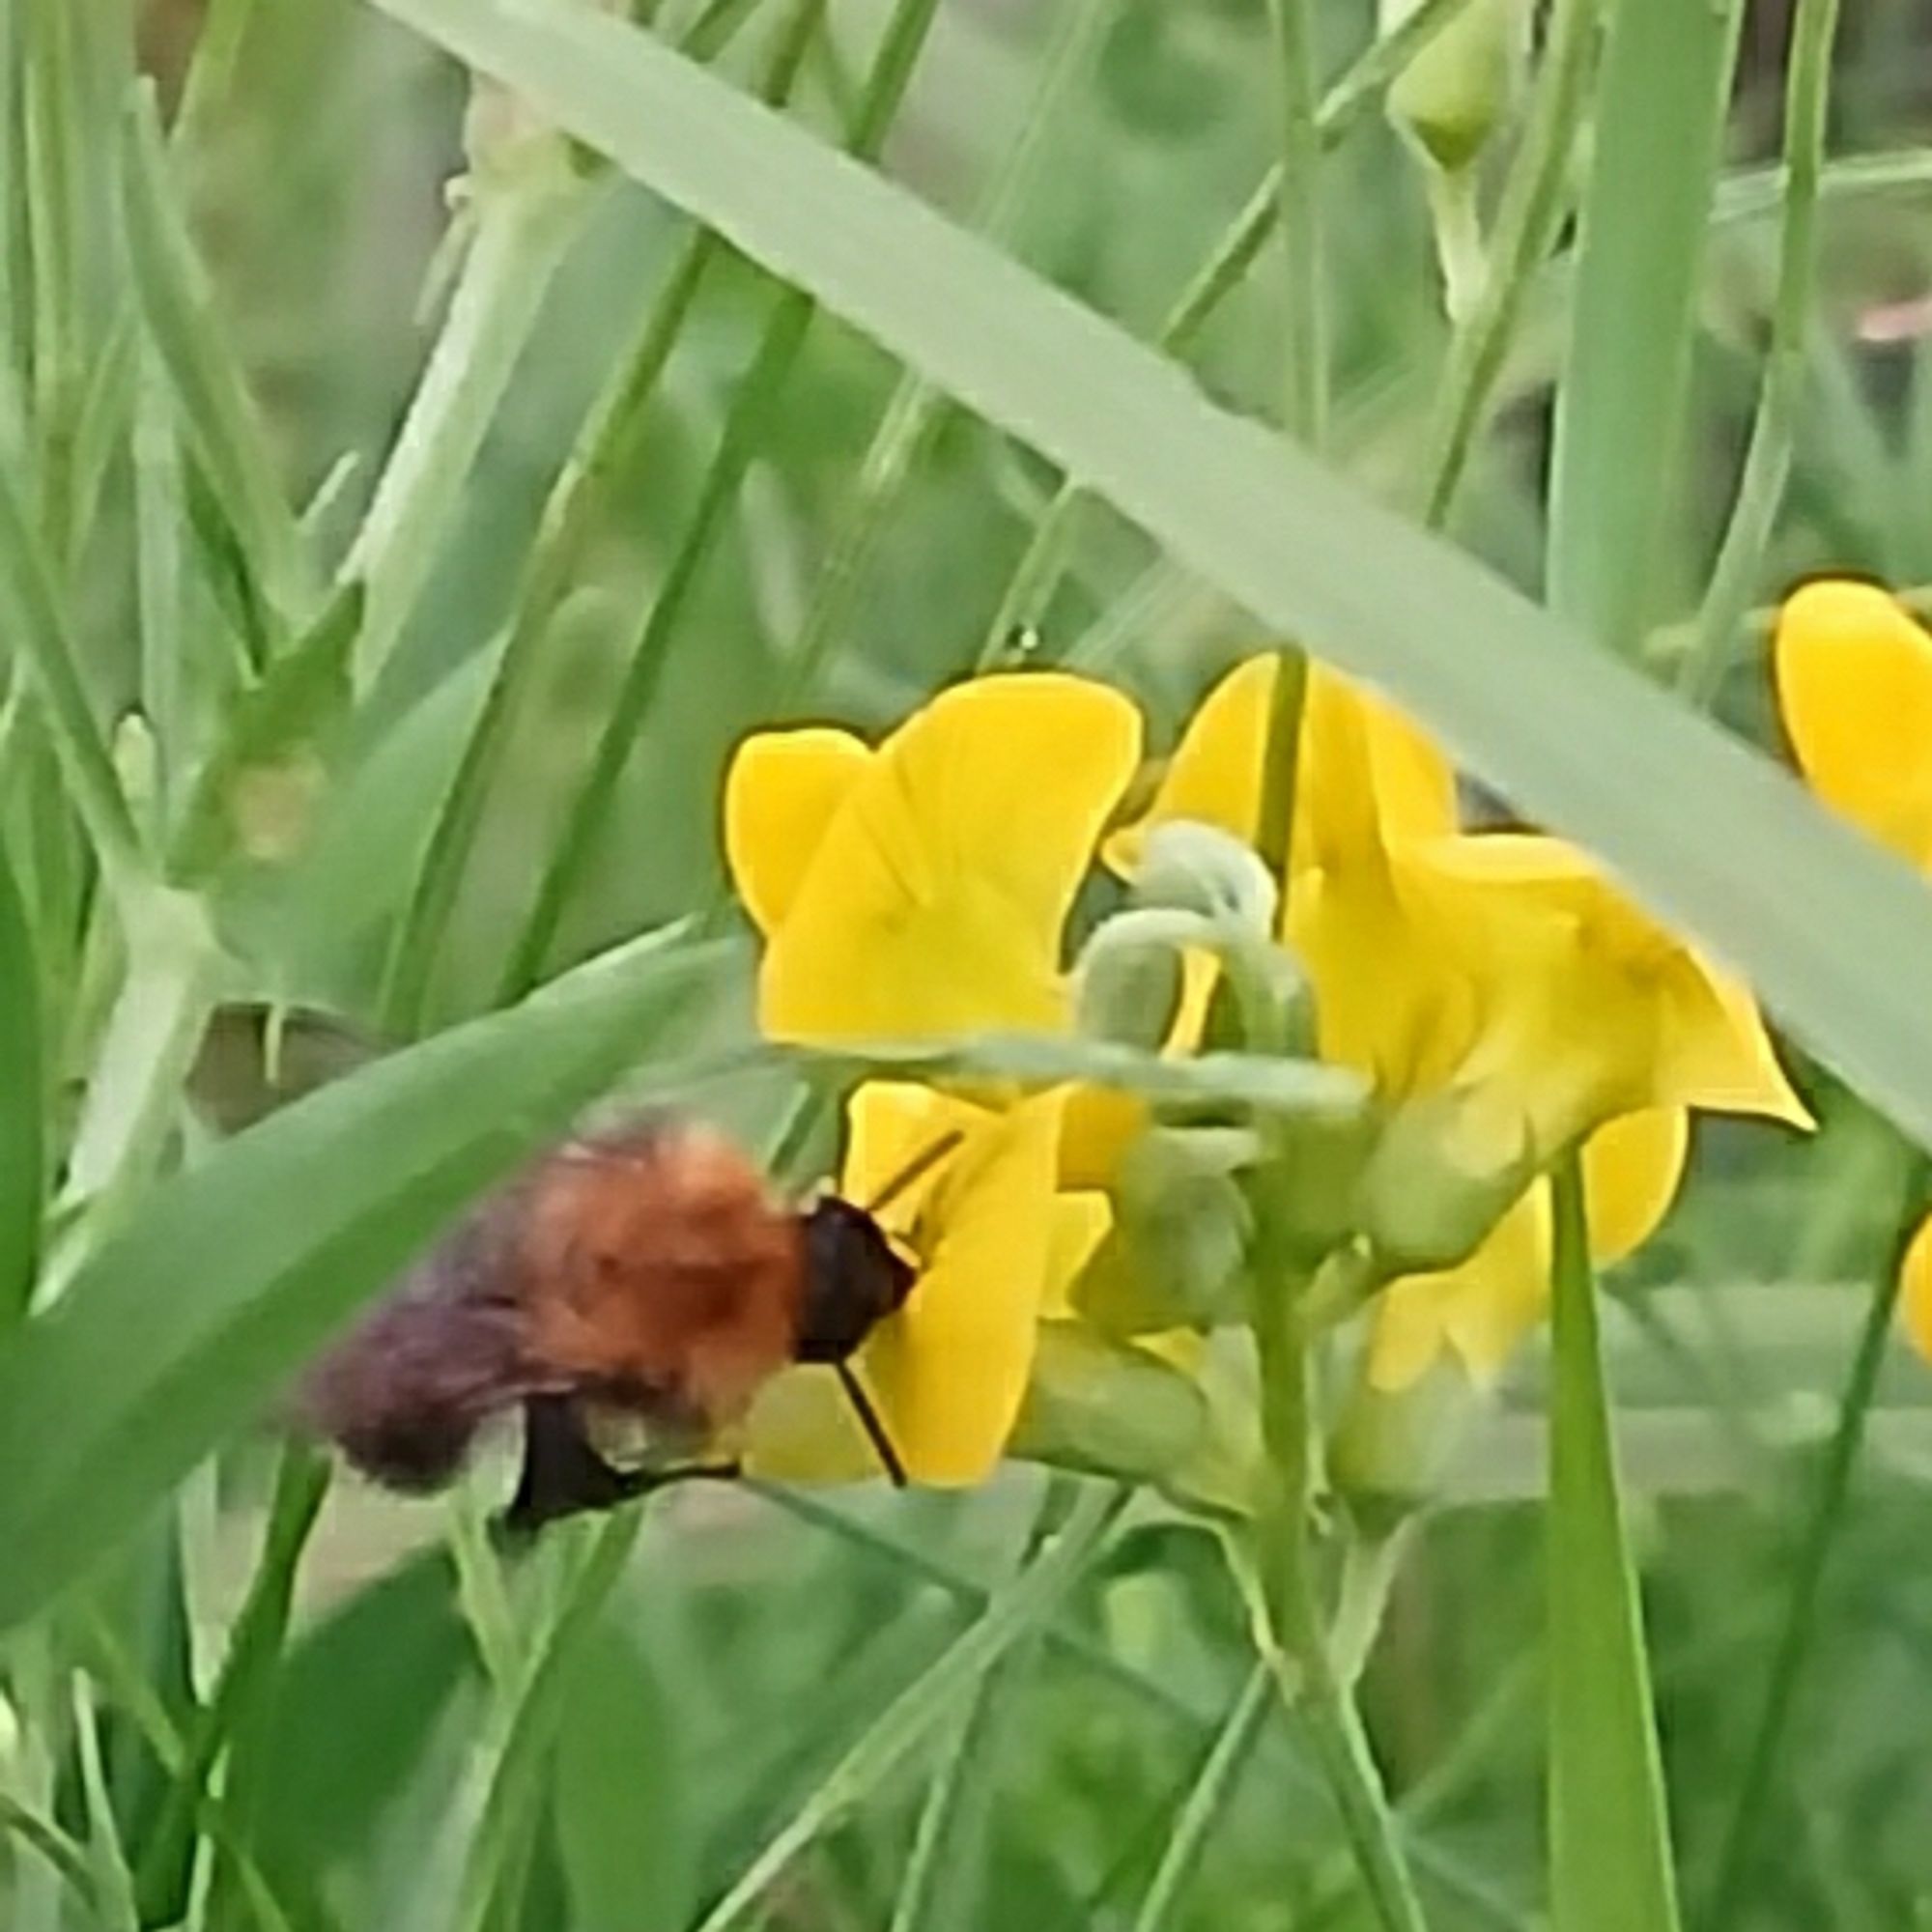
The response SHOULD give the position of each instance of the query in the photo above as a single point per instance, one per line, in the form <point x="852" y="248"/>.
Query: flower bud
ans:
<point x="1106" y="1408"/>
<point x="1444" y="1170"/>
<point x="1465" y="83"/>
<point x="1129" y="977"/>
<point x="1202" y="869"/>
<point x="1391" y="1447"/>
<point x="1180" y="1233"/>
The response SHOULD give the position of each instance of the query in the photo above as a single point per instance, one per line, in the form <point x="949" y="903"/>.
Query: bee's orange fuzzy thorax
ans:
<point x="659" y="1266"/>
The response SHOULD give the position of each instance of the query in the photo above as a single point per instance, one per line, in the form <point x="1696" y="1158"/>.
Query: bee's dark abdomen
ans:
<point x="406" y="1392"/>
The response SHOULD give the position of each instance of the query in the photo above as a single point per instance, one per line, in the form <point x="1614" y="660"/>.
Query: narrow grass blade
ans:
<point x="1661" y="101"/>
<point x="524" y="226"/>
<point x="23" y="1119"/>
<point x="220" y="417"/>
<point x="604" y="450"/>
<point x="1837" y="937"/>
<point x="747" y="424"/>
<point x="1827" y="1516"/>
<point x="381" y="1160"/>
<point x="1610" y="1842"/>
<point x="904" y="1724"/>
<point x="40" y="632"/>
<point x="1768" y="454"/>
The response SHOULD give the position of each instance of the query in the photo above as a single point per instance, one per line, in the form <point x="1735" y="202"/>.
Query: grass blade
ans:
<point x="1837" y="936"/>
<point x="383" y="1158"/>
<point x="904" y="1724"/>
<point x="23" y="1119"/>
<point x="1609" y="1844"/>
<point x="216" y="409"/>
<point x="1619" y="431"/>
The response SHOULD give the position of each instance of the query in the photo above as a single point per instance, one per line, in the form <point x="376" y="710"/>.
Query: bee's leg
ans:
<point x="562" y="1471"/>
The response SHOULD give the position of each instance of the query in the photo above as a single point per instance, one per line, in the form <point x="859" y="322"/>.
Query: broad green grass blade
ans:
<point x="1609" y="1844"/>
<point x="355" y="1702"/>
<point x="23" y="1119"/>
<point x="620" y="1804"/>
<point x="180" y="1328"/>
<point x="1837" y="937"/>
<point x="216" y="409"/>
<point x="1661" y="108"/>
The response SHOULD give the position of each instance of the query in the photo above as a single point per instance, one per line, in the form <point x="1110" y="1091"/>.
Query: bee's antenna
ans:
<point x="868" y="1421"/>
<point x="915" y="1170"/>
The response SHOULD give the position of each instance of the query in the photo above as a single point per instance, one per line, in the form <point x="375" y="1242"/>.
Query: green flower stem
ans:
<point x="1222" y="270"/>
<point x="1227" y="1756"/>
<point x="1800" y="1628"/>
<point x="1275" y="835"/>
<point x="1293" y="1638"/>
<point x="525" y="223"/>
<point x="1304" y="411"/>
<point x="916" y="408"/>
<point x="1533" y="199"/>
<point x="570" y="519"/>
<point x="753" y="410"/>
<point x="1767" y="455"/>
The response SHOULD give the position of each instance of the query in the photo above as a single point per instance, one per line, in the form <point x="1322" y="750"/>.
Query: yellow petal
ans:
<point x="1631" y="1172"/>
<point x="1854" y="686"/>
<point x="1480" y="1309"/>
<point x="1079" y="1223"/>
<point x="1214" y="776"/>
<point x="1103" y="1122"/>
<point x="1915" y="1300"/>
<point x="780" y="791"/>
<point x="934" y="902"/>
<point x="891" y="1128"/>
<point x="1362" y="765"/>
<point x="949" y="1372"/>
<point x="1659" y="1024"/>
<point x="1366" y="771"/>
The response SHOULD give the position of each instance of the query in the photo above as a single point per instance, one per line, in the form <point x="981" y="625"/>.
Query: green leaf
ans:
<point x="1710" y="835"/>
<point x="183" y="1325"/>
<point x="1294" y="1088"/>
<point x="1609" y="1841"/>
<point x="1661" y="109"/>
<point x="22" y="1121"/>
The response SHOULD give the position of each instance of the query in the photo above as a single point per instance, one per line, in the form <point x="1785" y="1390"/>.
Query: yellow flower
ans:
<point x="996" y="1246"/>
<point x="1855" y="687"/>
<point x="919" y="891"/>
<point x="1502" y="970"/>
<point x="1854" y="673"/>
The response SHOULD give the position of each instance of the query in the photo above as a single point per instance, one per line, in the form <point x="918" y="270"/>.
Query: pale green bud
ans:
<point x="1128" y="979"/>
<point x="1106" y="1408"/>
<point x="1465" y="83"/>
<point x="1441" y="1176"/>
<point x="1392" y="1447"/>
<point x="1202" y="869"/>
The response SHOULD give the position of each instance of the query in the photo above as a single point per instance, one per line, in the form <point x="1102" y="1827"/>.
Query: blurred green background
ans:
<point x="754" y="1639"/>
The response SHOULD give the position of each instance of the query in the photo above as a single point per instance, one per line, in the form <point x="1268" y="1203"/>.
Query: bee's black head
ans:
<point x="853" y="1280"/>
